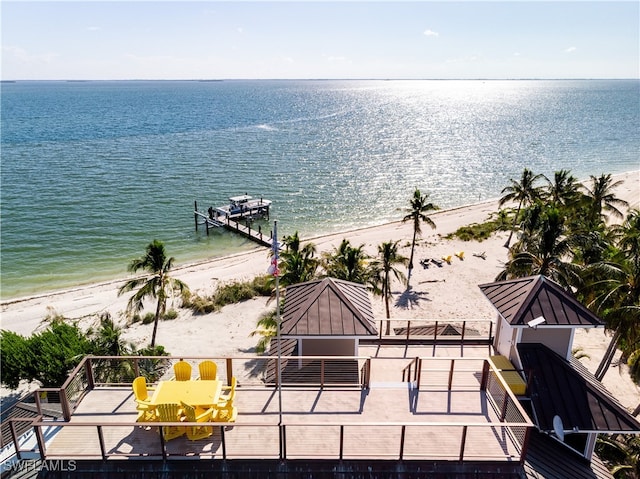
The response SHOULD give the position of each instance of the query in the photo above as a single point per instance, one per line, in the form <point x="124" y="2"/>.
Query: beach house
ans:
<point x="427" y="400"/>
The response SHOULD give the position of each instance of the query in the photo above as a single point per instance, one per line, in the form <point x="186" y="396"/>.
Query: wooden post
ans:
<point x="453" y="361"/>
<point x="224" y="443"/>
<point x="89" y="372"/>
<point x="462" y="442"/>
<point x="485" y="376"/>
<point x="229" y="370"/>
<point x="195" y="214"/>
<point x="103" y="449"/>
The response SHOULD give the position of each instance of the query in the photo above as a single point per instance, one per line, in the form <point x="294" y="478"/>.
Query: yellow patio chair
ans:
<point x="146" y="410"/>
<point x="170" y="413"/>
<point x="208" y="370"/>
<point x="195" y="433"/>
<point x="226" y="414"/>
<point x="460" y="255"/>
<point x="228" y="394"/>
<point x="447" y="259"/>
<point x="182" y="370"/>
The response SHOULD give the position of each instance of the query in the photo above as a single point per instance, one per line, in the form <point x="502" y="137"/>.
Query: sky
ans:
<point x="122" y="40"/>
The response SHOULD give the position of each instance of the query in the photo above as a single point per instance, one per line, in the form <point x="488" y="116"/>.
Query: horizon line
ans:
<point x="71" y="80"/>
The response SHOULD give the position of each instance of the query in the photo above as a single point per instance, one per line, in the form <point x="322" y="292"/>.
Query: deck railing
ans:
<point x="479" y="331"/>
<point x="456" y="441"/>
<point x="100" y="371"/>
<point x="398" y="441"/>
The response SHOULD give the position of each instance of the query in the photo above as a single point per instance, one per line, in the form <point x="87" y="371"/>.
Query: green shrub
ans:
<point x="229" y="293"/>
<point x="171" y="314"/>
<point x="46" y="357"/>
<point x="199" y="304"/>
<point x="232" y="293"/>
<point x="634" y="366"/>
<point x="475" y="231"/>
<point x="148" y="318"/>
<point x="263" y="285"/>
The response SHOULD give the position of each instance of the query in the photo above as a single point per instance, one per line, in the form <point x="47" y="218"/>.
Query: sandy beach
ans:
<point x="442" y="293"/>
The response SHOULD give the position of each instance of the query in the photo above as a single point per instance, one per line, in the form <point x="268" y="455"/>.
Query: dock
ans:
<point x="237" y="217"/>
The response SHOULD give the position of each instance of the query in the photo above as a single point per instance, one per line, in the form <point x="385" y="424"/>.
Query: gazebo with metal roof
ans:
<point x="536" y="322"/>
<point x="327" y="317"/>
<point x="536" y="309"/>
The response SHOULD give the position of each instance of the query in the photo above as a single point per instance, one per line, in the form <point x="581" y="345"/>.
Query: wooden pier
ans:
<point x="235" y="222"/>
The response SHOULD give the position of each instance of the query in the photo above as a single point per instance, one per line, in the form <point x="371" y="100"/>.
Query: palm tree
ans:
<point x="266" y="329"/>
<point x="382" y="269"/>
<point x="107" y="341"/>
<point x="524" y="192"/>
<point x="543" y="250"/>
<point x="417" y="213"/>
<point x="564" y="189"/>
<point x="157" y="285"/>
<point x="618" y="292"/>
<point x="621" y="453"/>
<point x="298" y="264"/>
<point x="347" y="262"/>
<point x="601" y="198"/>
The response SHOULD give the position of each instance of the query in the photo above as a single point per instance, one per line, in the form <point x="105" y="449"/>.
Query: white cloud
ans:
<point x="93" y="29"/>
<point x="240" y="30"/>
<point x="430" y="33"/>
<point x="570" y="50"/>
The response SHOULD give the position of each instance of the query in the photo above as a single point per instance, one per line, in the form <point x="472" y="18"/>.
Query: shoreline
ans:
<point x="210" y="261"/>
<point x="446" y="293"/>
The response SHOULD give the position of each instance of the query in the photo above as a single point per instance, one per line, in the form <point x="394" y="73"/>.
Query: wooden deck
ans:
<point x="449" y="417"/>
<point x="235" y="225"/>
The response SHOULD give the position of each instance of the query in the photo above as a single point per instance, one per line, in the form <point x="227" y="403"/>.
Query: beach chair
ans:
<point x="208" y="370"/>
<point x="482" y="255"/>
<point x="226" y="414"/>
<point x="191" y="414"/>
<point x="460" y="255"/>
<point x="437" y="262"/>
<point x="447" y="259"/>
<point x="182" y="371"/>
<point x="228" y="394"/>
<point x="171" y="412"/>
<point x="146" y="410"/>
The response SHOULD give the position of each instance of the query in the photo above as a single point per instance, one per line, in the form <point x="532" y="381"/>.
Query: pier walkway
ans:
<point x="235" y="222"/>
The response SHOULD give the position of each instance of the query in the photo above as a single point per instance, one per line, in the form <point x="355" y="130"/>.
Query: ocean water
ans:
<point x="93" y="171"/>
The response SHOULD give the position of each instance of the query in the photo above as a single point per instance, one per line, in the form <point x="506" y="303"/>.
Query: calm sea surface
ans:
<point x="93" y="171"/>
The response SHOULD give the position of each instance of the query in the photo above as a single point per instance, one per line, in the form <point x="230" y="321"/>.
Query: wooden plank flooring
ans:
<point x="312" y="417"/>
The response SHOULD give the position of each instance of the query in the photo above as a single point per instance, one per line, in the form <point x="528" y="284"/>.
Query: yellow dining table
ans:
<point x="195" y="393"/>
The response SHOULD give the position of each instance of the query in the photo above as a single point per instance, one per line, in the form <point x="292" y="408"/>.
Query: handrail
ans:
<point x="400" y="454"/>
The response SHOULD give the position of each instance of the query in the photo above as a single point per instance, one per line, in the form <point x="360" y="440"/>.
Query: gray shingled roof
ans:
<point x="556" y="387"/>
<point x="523" y="299"/>
<point x="328" y="307"/>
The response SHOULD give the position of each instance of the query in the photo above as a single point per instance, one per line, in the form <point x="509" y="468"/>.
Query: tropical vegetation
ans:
<point x="157" y="284"/>
<point x="565" y="231"/>
<point x="49" y="356"/>
<point x="417" y="214"/>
